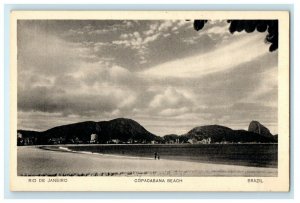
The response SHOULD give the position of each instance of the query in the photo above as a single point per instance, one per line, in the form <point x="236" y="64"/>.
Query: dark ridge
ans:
<point x="222" y="134"/>
<point x="124" y="130"/>
<point x="120" y="130"/>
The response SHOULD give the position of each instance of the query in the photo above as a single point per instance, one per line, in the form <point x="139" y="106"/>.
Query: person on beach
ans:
<point x="158" y="156"/>
<point x="155" y="155"/>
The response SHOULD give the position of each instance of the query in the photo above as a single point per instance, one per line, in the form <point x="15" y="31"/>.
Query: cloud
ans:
<point x="83" y="101"/>
<point x="215" y="98"/>
<point x="97" y="29"/>
<point x="170" y="101"/>
<point x="45" y="54"/>
<point x="163" y="74"/>
<point x="174" y="111"/>
<point x="141" y="41"/>
<point x="151" y="38"/>
<point x="165" y="26"/>
<point x="221" y="30"/>
<point x="225" y="57"/>
<point x="53" y="77"/>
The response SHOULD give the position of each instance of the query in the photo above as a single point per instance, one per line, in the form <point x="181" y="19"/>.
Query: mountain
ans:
<point x="120" y="129"/>
<point x="123" y="130"/>
<point x="276" y="137"/>
<point x="68" y="133"/>
<point x="259" y="128"/>
<point x="28" y="133"/>
<point x="217" y="133"/>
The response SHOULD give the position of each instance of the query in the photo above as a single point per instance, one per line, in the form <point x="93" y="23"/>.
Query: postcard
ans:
<point x="149" y="101"/>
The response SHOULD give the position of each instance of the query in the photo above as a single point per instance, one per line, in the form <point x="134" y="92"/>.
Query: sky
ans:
<point x="162" y="74"/>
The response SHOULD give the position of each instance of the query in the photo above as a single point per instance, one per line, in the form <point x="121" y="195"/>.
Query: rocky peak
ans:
<point x="259" y="128"/>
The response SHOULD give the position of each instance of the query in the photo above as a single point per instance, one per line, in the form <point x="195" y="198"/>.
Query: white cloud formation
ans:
<point x="140" y="40"/>
<point x="174" y="111"/>
<point x="169" y="98"/>
<point x="83" y="77"/>
<point x="227" y="56"/>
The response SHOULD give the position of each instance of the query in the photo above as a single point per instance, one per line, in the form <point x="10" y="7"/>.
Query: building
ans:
<point x="192" y="141"/>
<point x="20" y="136"/>
<point x="94" y="138"/>
<point x="203" y="141"/>
<point x="115" y="141"/>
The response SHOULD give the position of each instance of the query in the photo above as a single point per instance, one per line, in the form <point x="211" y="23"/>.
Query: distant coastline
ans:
<point x="128" y="131"/>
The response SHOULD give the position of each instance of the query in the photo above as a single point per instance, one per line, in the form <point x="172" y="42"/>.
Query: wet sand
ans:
<point x="33" y="161"/>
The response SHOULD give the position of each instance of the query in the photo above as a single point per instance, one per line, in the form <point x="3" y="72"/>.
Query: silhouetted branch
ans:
<point x="271" y="26"/>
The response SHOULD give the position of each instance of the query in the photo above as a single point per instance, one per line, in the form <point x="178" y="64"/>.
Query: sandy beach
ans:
<point x="33" y="161"/>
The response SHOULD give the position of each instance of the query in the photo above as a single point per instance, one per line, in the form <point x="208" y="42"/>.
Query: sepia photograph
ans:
<point x="155" y="97"/>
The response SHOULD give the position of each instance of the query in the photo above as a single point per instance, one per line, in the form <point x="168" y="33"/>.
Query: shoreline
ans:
<point x="65" y="149"/>
<point x="60" y="163"/>
<point x="140" y="144"/>
<point x="119" y="153"/>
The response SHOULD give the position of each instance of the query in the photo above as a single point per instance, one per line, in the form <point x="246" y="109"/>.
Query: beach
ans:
<point x="34" y="161"/>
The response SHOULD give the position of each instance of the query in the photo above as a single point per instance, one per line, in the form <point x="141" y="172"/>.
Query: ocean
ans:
<point x="258" y="155"/>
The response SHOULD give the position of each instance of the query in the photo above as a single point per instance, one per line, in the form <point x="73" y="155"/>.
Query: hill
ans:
<point x="124" y="130"/>
<point x="259" y="128"/>
<point x="221" y="134"/>
<point x="117" y="130"/>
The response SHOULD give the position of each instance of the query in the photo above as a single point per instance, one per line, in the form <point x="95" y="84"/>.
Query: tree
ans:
<point x="271" y="26"/>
